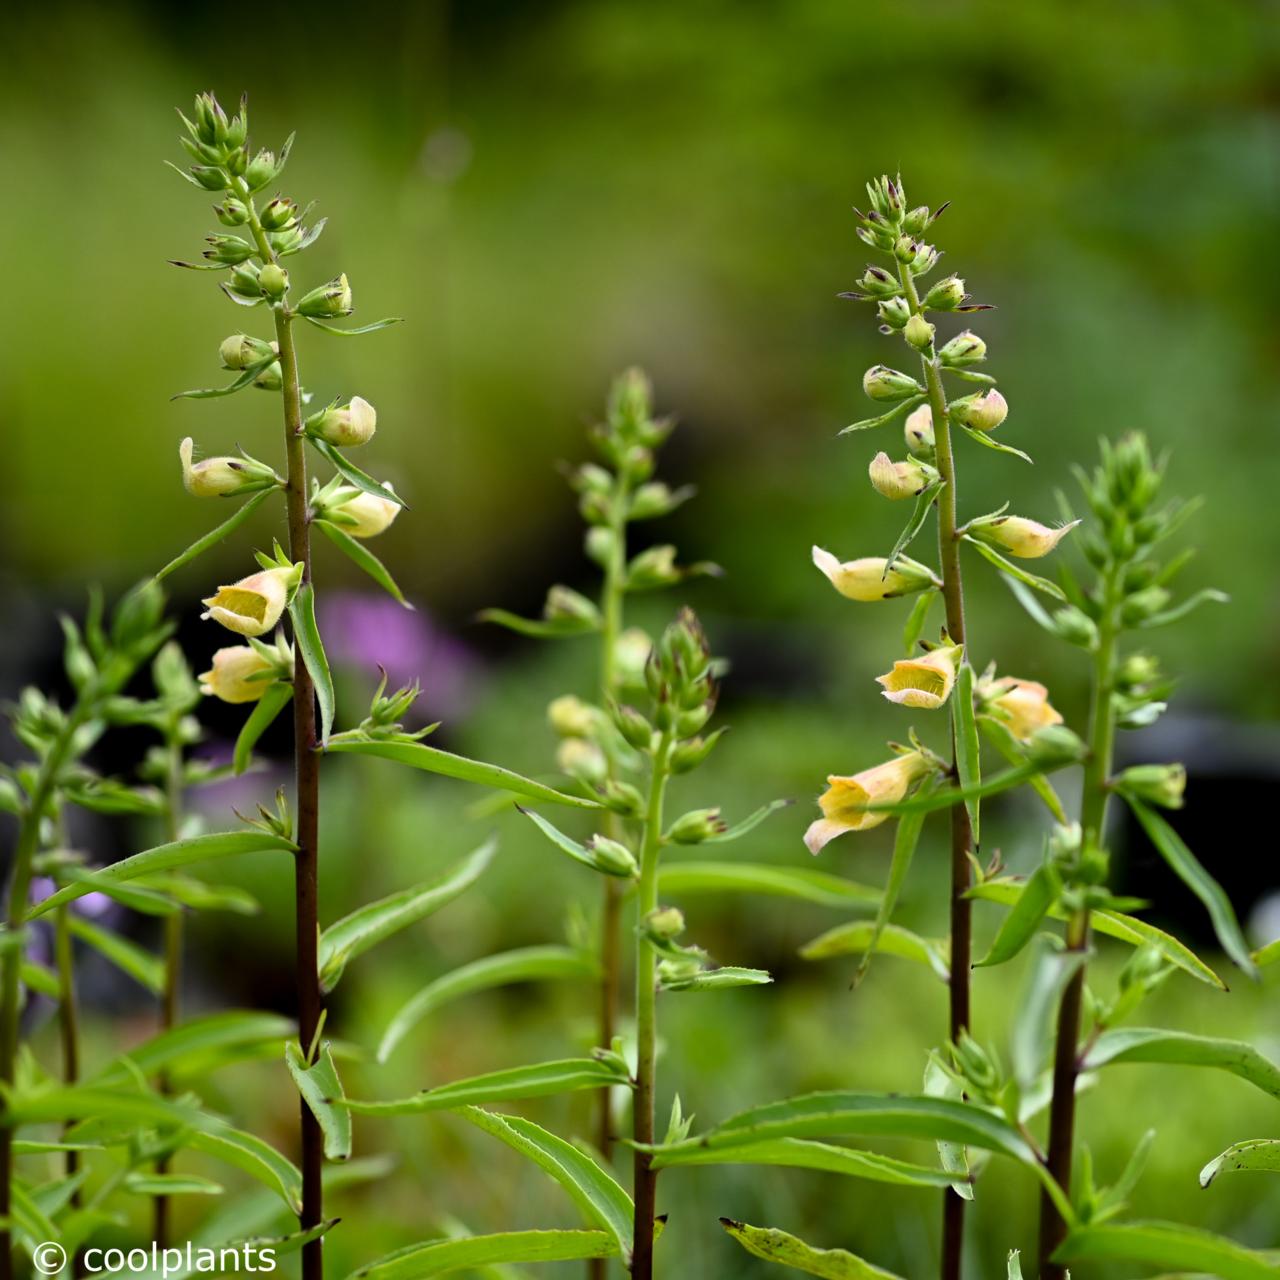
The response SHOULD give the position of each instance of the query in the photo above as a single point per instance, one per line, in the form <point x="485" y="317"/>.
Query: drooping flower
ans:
<point x="230" y="676"/>
<point x="1027" y="539"/>
<point x="984" y="411"/>
<point x="372" y="515"/>
<point x="252" y="606"/>
<point x="844" y="803"/>
<point x="212" y="477"/>
<point x="1022" y="705"/>
<point x="923" y="682"/>
<point x="866" y="579"/>
<point x="345" y="425"/>
<point x="897" y="480"/>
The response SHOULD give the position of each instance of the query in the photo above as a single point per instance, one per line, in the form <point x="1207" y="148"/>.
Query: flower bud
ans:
<point x="244" y="281"/>
<point x="896" y="480"/>
<point x="1143" y="605"/>
<point x="895" y="312"/>
<point x="210" y="120"/>
<point x="653" y="567"/>
<point x="1161" y="784"/>
<point x="634" y="728"/>
<point x="570" y="717"/>
<point x="362" y="515"/>
<point x="946" y="295"/>
<point x="982" y="412"/>
<point x="329" y="300"/>
<point x="1075" y="626"/>
<point x="964" y="349"/>
<point x="925" y="260"/>
<point x="689" y="755"/>
<point x="664" y="924"/>
<point x="280" y="213"/>
<point x="229" y="249"/>
<point x="217" y="477"/>
<point x="917" y="220"/>
<point x="630" y="654"/>
<point x="273" y="280"/>
<point x="564" y="602"/>
<point x="918" y="432"/>
<point x="1027" y="539"/>
<point x="1137" y="671"/>
<point x="612" y="856"/>
<point x="879" y="283"/>
<point x="1055" y="744"/>
<point x="582" y="760"/>
<point x="905" y="249"/>
<point x="261" y="169"/>
<point x="253" y="605"/>
<point x="883" y="383"/>
<point x="232" y="212"/>
<point x="271" y="378"/>
<point x="210" y="177"/>
<point x="590" y="478"/>
<point x="655" y="499"/>
<point x="231" y="678"/>
<point x="622" y="797"/>
<point x="286" y="241"/>
<point x="240" y="350"/>
<point x="696" y="826"/>
<point x="1022" y="706"/>
<point x="919" y="333"/>
<point x="344" y="425"/>
<point x="600" y="543"/>
<point x="867" y="579"/>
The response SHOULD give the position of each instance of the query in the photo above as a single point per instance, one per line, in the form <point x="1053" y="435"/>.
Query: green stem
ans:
<point x="1093" y="817"/>
<point x="953" y="1206"/>
<point x="645" y="1177"/>
<point x="306" y="765"/>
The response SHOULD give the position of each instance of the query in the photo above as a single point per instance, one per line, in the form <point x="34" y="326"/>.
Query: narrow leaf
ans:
<point x="275" y="698"/>
<point x="989" y="442"/>
<point x="893" y="940"/>
<point x="302" y="609"/>
<point x="916" y="620"/>
<point x="322" y="1091"/>
<point x="526" y="964"/>
<point x="170" y="1184"/>
<point x="1180" y="611"/>
<point x="432" y="760"/>
<point x="919" y="514"/>
<point x="725" y="976"/>
<point x="440" y="1257"/>
<point x="804" y="883"/>
<point x="140" y="965"/>
<point x="354" y="934"/>
<point x="1003" y="740"/>
<point x="1168" y="1246"/>
<point x="968" y="750"/>
<point x="214" y="536"/>
<point x="1181" y="1048"/>
<point x="1268" y="954"/>
<point x="352" y="474"/>
<point x="790" y="1251"/>
<point x="749" y="823"/>
<point x="1018" y="928"/>
<point x="258" y="1159"/>
<point x="242" y="380"/>
<point x="578" y="851"/>
<point x="540" y="628"/>
<point x="1257" y="1155"/>
<point x="1043" y="585"/>
<point x="359" y="329"/>
<point x="176" y="1050"/>
<point x="899" y="410"/>
<point x="360" y="555"/>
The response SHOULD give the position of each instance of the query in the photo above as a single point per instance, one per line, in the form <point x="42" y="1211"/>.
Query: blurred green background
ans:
<point x="548" y="192"/>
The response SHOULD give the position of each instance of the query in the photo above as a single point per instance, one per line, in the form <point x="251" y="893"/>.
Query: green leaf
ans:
<point x="858" y="936"/>
<point x="749" y="823"/>
<point x="200" y="896"/>
<point x="260" y="1160"/>
<point x="919" y="514"/>
<point x="1257" y="1155"/>
<point x="164" y="857"/>
<point x="241" y="380"/>
<point x="720" y="979"/>
<point x="354" y="934"/>
<point x="916" y="620"/>
<point x="1032" y="1032"/>
<point x="1268" y="954"/>
<point x="352" y="474"/>
<point x="214" y="536"/>
<point x="1189" y="870"/>
<point x="1018" y="928"/>
<point x="57" y="1104"/>
<point x="578" y="851"/>
<point x="989" y="442"/>
<point x="803" y="1153"/>
<point x="140" y="965"/>
<point x="432" y="760"/>
<point x="1166" y="1245"/>
<point x="359" y="329"/>
<point x="1115" y="924"/>
<point x="40" y="978"/>
<point x="191" y="1044"/>
<point x="540" y="628"/>
<point x="804" y="883"/>
<point x="142" y="1183"/>
<point x="322" y="1092"/>
<point x="1043" y="585"/>
<point x="439" y="1257"/>
<point x="1181" y="1048"/>
<point x="591" y="1188"/>
<point x="1180" y="611"/>
<point x="790" y="1251"/>
<point x="1003" y="740"/>
<point x="1034" y="609"/>
<point x="968" y="750"/>
<point x="526" y="964"/>
<point x="536" y="1080"/>
<point x="899" y="410"/>
<point x="302" y="609"/>
<point x="364" y="558"/>
<point x="275" y="698"/>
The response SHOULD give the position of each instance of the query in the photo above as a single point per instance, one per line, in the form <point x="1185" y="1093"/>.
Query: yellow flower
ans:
<point x="570" y="717"/>
<point x="918" y="431"/>
<point x="844" y="803"/>
<point x="1027" y="539"/>
<point x="345" y="425"/>
<point x="897" y="480"/>
<point x="923" y="682"/>
<point x="228" y="678"/>
<point x="866" y="579"/>
<point x="1023" y="705"/>
<point x="211" y="477"/>
<point x="372" y="515"/>
<point x="253" y="605"/>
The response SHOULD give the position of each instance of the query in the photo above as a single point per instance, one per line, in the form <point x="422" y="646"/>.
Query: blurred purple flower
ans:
<point x="364" y="632"/>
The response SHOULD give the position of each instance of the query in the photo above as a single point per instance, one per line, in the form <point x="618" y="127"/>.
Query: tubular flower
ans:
<point x="345" y="425"/>
<point x="252" y="606"/>
<point x="372" y="515"/>
<point x="844" y="803"/>
<point x="867" y="579"/>
<point x="923" y="682"/>
<point x="211" y="477"/>
<point x="897" y="480"/>
<point x="1022" y="705"/>
<point x="230" y="676"/>
<point x="1027" y="539"/>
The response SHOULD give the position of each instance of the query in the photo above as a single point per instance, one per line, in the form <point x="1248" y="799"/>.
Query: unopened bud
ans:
<point x="241" y="350"/>
<point x="917" y="220"/>
<point x="570" y="717"/>
<point x="218" y="477"/>
<point x="964" y="349"/>
<point x="1137" y="671"/>
<point x="655" y="499"/>
<point x="329" y="300"/>
<point x="1027" y="539"/>
<point x="1055" y="744"/>
<point x="696" y="826"/>
<point x="1143" y="605"/>
<point x="1161" y="784"/>
<point x="946" y="295"/>
<point x="229" y="249"/>
<point x="244" y="281"/>
<point x="622" y="797"/>
<point x="261" y="170"/>
<point x="918" y="333"/>
<point x="895" y="312"/>
<point x="345" y="425"/>
<point x="612" y="856"/>
<point x="653" y="567"/>
<point x="565" y="603"/>
<point x="688" y="755"/>
<point x="634" y="728"/>
<point x="905" y="249"/>
<point x="879" y="283"/>
<point x="925" y="260"/>
<point x="582" y="760"/>
<point x="918" y="432"/>
<point x="882" y="383"/>
<point x="274" y="280"/>
<point x="982" y="412"/>
<point x="870" y="578"/>
<point x="232" y="212"/>
<point x="271" y="378"/>
<point x="361" y="514"/>
<point x="664" y="924"/>
<point x="280" y="213"/>
<point x="897" y="480"/>
<point x="1075" y="626"/>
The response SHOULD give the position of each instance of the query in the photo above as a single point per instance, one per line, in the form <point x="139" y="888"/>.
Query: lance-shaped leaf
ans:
<point x="322" y="1091"/>
<point x="899" y="410"/>
<point x="1034" y="580"/>
<point x="130" y="1108"/>
<point x="968" y="749"/>
<point x="919" y="514"/>
<point x="216" y="535"/>
<point x="202" y="896"/>
<point x="990" y="442"/>
<point x="243" y="379"/>
<point x="194" y="1043"/>
<point x="353" y="474"/>
<point x="790" y="1251"/>
<point x="1115" y="924"/>
<point x="720" y="979"/>
<point x="1181" y="1048"/>
<point x="595" y="1192"/>
<point x="803" y="883"/>
<point x="749" y="823"/>
<point x="143" y="967"/>
<point x="40" y="978"/>
<point x="259" y="1159"/>
<point x="359" y="329"/>
<point x="441" y="1257"/>
<point x="1180" y="611"/>
<point x="361" y="556"/>
<point x="611" y="864"/>
<point x="364" y="928"/>
<point x="306" y="635"/>
<point x="1003" y="740"/>
<point x="275" y="698"/>
<point x="537" y="1080"/>
<point x="1052" y="968"/>
<point x="432" y="760"/>
<point x="1268" y="954"/>
<point x="804" y="1153"/>
<point x="916" y="620"/>
<point x="859" y="936"/>
<point x="525" y="964"/>
<point x="1168" y="1246"/>
<point x="541" y="628"/>
<point x="1018" y="928"/>
<point x="1256" y="1155"/>
<point x="165" y="857"/>
<point x="141" y="1183"/>
<point x="1187" y="867"/>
